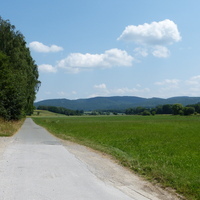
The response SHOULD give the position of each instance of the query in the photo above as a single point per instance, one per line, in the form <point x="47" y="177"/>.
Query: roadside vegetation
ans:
<point x="8" y="128"/>
<point x="162" y="148"/>
<point x="18" y="74"/>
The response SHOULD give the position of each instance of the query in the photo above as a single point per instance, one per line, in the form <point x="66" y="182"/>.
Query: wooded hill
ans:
<point x="115" y="103"/>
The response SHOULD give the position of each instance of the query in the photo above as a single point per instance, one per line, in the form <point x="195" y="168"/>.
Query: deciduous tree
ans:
<point x="18" y="74"/>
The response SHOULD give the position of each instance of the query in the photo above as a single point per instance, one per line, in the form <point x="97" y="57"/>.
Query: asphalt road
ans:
<point x="36" y="166"/>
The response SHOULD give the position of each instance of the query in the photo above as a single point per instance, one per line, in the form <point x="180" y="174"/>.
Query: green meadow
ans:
<point x="163" y="149"/>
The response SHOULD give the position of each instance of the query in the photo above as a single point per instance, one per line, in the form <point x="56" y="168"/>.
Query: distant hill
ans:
<point x="115" y="103"/>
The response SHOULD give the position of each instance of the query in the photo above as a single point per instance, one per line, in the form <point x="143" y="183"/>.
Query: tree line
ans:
<point x="174" y="109"/>
<point x="18" y="74"/>
<point x="61" y="110"/>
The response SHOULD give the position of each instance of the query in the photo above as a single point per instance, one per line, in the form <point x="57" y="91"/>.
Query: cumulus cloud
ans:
<point x="168" y="82"/>
<point x="101" y="86"/>
<point x="61" y="93"/>
<point x="160" y="52"/>
<point x="47" y="68"/>
<point x="193" y="85"/>
<point x="175" y="87"/>
<point x="195" y="80"/>
<point x="130" y="91"/>
<point x="140" y="51"/>
<point x="168" y="86"/>
<point x="39" y="47"/>
<point x="76" y="62"/>
<point x="157" y="33"/>
<point x="102" y="90"/>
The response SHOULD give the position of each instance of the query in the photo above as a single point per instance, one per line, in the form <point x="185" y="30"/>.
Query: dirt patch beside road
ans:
<point x="108" y="170"/>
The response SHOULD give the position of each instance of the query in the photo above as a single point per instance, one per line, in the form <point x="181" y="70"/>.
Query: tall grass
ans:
<point x="164" y="149"/>
<point x="8" y="128"/>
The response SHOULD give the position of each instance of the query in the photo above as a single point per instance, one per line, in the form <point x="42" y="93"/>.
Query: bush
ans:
<point x="146" y="113"/>
<point x="188" y="110"/>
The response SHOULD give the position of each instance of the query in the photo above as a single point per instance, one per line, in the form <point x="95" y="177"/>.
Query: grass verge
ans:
<point x="8" y="128"/>
<point x="164" y="149"/>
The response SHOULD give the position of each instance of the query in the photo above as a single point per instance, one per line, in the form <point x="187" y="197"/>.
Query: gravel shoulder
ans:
<point x="110" y="171"/>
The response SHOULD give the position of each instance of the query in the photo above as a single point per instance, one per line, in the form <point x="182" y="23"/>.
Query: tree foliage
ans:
<point x="175" y="109"/>
<point x="188" y="110"/>
<point x="18" y="74"/>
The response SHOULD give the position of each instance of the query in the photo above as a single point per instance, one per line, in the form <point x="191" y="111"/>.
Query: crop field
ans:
<point x="163" y="149"/>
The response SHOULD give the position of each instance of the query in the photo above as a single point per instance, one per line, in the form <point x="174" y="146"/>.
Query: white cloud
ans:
<point x="130" y="91"/>
<point x="77" y="62"/>
<point x="193" y="85"/>
<point x="169" y="87"/>
<point x="140" y="51"/>
<point x="160" y="52"/>
<point x="101" y="86"/>
<point x="62" y="94"/>
<point x="102" y="90"/>
<point x="163" y="89"/>
<point x="174" y="87"/>
<point x="39" y="47"/>
<point x="117" y="57"/>
<point x="74" y="92"/>
<point x="152" y="37"/>
<point x="168" y="82"/>
<point x="47" y="68"/>
<point x="195" y="80"/>
<point x="125" y="90"/>
<point x="157" y="33"/>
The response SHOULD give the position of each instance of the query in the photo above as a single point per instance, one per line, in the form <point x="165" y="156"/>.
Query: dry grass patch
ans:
<point x="8" y="128"/>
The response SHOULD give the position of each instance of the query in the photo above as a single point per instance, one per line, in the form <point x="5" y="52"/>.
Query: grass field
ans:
<point x="163" y="149"/>
<point x="8" y="128"/>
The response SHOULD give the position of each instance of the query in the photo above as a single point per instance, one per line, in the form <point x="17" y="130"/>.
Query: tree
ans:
<point x="159" y="109"/>
<point x="188" y="110"/>
<point x="146" y="113"/>
<point x="18" y="74"/>
<point x="196" y="107"/>
<point x="167" y="109"/>
<point x="177" y="109"/>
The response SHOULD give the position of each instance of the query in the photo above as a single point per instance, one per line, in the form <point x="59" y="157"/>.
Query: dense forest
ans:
<point x="18" y="74"/>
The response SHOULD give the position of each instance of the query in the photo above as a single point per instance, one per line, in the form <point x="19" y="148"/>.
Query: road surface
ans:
<point x="37" y="166"/>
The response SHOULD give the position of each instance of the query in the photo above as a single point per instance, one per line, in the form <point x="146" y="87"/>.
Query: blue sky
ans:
<point x="87" y="48"/>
